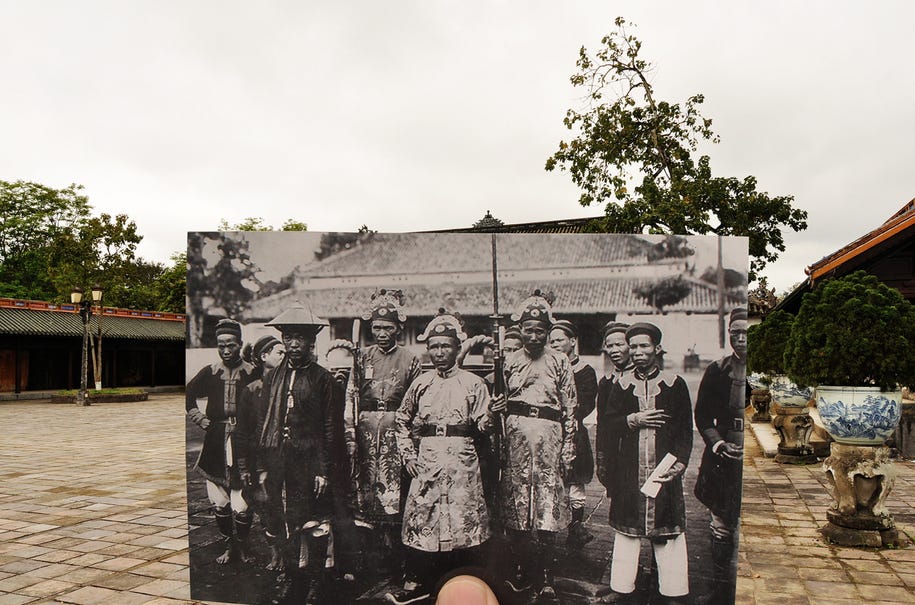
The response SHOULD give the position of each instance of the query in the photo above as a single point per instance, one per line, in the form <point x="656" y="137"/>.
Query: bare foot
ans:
<point x="225" y="557"/>
<point x="244" y="555"/>
<point x="276" y="561"/>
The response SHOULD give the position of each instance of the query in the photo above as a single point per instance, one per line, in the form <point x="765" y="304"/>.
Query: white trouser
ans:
<point x="220" y="497"/>
<point x="576" y="496"/>
<point x="673" y="576"/>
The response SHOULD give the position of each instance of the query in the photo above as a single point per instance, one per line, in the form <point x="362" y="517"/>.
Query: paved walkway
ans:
<point x="93" y="505"/>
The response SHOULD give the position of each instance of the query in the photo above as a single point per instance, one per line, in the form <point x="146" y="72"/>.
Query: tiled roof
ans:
<point x="416" y="253"/>
<point x="610" y="295"/>
<point x="30" y="322"/>
<point x="899" y="223"/>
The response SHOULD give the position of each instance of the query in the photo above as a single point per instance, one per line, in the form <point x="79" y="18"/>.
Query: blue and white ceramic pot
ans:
<point x="757" y="381"/>
<point x="787" y="394"/>
<point x="859" y="415"/>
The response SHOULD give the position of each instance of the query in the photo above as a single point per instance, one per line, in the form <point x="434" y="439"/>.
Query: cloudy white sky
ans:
<point x="425" y="114"/>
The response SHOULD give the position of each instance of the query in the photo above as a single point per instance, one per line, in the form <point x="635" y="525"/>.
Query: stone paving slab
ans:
<point x="93" y="511"/>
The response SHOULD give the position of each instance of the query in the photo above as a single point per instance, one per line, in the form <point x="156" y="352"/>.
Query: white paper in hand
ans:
<point x="652" y="486"/>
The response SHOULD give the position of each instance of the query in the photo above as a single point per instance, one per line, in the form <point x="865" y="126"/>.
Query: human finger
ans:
<point x="466" y="590"/>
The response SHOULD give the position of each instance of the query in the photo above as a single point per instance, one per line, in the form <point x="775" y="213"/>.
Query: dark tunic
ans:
<point x="586" y="394"/>
<point x="719" y="416"/>
<point x="636" y="452"/>
<point x="301" y="432"/>
<point x="221" y="386"/>
<point x="251" y="414"/>
<point x="603" y="396"/>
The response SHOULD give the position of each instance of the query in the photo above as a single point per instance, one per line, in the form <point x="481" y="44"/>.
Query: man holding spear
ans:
<point x="381" y="375"/>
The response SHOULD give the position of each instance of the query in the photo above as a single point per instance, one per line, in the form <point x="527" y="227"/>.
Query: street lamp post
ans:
<point x="85" y="312"/>
<point x="97" y="346"/>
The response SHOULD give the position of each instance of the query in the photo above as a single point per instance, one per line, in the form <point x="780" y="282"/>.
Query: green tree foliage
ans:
<point x="32" y="218"/>
<point x="638" y="154"/>
<point x="171" y="285"/>
<point x="102" y="250"/>
<point x="50" y="242"/>
<point x="767" y="343"/>
<point x="853" y="331"/>
<point x="256" y="223"/>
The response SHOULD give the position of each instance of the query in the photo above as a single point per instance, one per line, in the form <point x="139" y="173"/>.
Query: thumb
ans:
<point x="466" y="590"/>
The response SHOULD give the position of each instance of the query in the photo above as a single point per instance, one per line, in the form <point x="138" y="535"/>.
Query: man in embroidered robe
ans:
<point x="539" y="409"/>
<point x="564" y="338"/>
<point x="300" y="436"/>
<point x="648" y="416"/>
<point x="381" y="374"/>
<point x="221" y="384"/>
<point x="445" y="517"/>
<point x="720" y="407"/>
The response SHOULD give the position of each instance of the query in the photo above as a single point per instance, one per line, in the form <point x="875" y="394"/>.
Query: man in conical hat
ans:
<point x="382" y="373"/>
<point x="539" y="409"/>
<point x="445" y="517"/>
<point x="299" y="440"/>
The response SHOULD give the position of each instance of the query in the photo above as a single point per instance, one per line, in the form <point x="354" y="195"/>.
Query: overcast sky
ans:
<point x="423" y="115"/>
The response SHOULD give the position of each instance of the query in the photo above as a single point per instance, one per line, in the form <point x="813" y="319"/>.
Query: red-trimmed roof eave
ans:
<point x="898" y="223"/>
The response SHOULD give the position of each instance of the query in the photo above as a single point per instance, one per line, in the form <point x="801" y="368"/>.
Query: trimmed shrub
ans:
<point x="853" y="331"/>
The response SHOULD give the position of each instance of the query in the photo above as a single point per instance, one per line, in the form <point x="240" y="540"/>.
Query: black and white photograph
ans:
<point x="370" y="414"/>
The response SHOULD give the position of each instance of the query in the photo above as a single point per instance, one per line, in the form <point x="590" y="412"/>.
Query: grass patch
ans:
<point x="121" y="391"/>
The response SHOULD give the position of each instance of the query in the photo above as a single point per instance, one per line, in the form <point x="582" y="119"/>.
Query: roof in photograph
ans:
<point x="33" y="322"/>
<point x="416" y="253"/>
<point x="610" y="295"/>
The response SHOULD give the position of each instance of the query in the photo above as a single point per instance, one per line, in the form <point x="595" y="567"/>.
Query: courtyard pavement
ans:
<point x="93" y="510"/>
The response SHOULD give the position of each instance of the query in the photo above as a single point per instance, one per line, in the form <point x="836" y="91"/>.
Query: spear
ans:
<point x="497" y="329"/>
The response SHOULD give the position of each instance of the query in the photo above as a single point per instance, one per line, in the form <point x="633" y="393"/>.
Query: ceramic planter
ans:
<point x="786" y="393"/>
<point x="859" y="415"/>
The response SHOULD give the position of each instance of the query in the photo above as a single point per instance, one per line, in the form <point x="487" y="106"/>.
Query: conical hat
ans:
<point x="299" y="316"/>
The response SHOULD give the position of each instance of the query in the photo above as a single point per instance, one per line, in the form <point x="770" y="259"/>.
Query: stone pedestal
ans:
<point x="861" y="477"/>
<point x="794" y="427"/>
<point x="760" y="399"/>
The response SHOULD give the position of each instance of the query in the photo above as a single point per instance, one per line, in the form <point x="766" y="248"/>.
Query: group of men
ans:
<point x="395" y="461"/>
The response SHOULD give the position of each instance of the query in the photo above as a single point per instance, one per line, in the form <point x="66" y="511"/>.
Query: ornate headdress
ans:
<point x="444" y="324"/>
<point x="537" y="306"/>
<point x="387" y="305"/>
